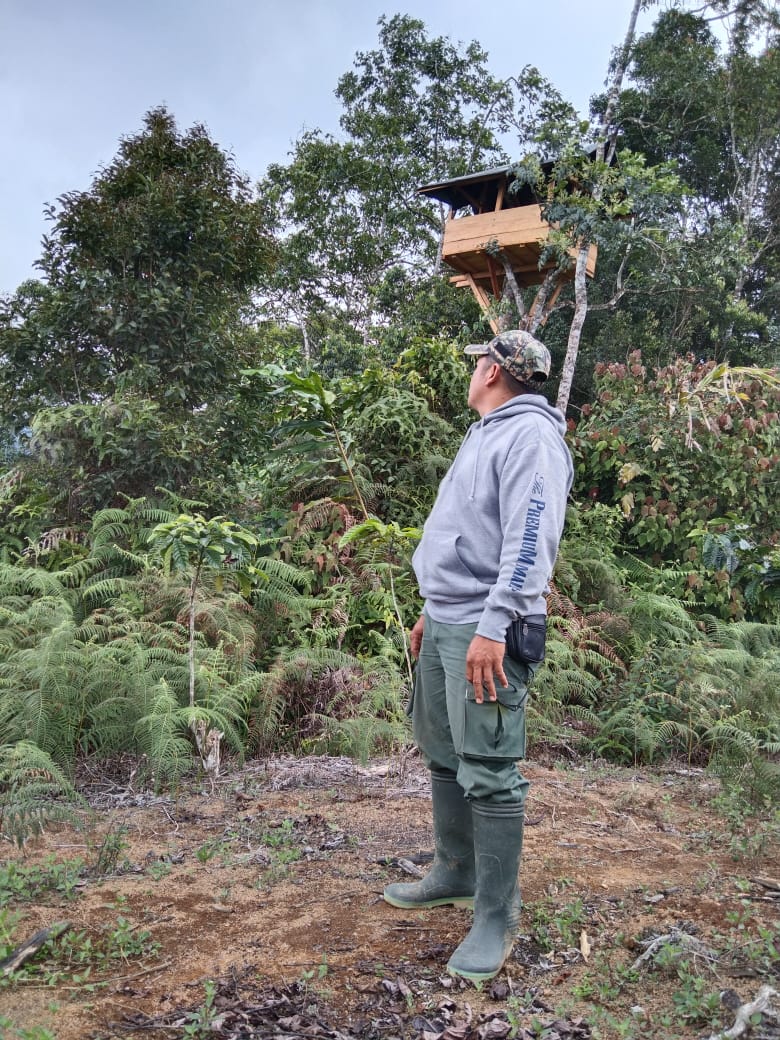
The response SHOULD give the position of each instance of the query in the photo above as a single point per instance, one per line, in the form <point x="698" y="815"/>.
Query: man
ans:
<point x="484" y="561"/>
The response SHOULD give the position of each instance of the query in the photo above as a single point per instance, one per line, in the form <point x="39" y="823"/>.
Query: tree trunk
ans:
<point x="605" y="151"/>
<point x="511" y="290"/>
<point x="575" y="332"/>
<point x="605" y="148"/>
<point x="191" y="646"/>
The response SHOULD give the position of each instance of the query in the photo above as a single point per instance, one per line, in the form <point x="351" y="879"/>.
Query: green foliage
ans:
<point x="274" y="606"/>
<point x="34" y="791"/>
<point x="73" y="956"/>
<point x="103" y="667"/>
<point x="313" y="419"/>
<point x="200" y="1023"/>
<point x="146" y="274"/>
<point x="32" y="884"/>
<point x="193" y="541"/>
<point x="122" y="444"/>
<point x="373" y="442"/>
<point x="19" y="1033"/>
<point x="632" y="676"/>
<point x="356" y="239"/>
<point x="436" y="370"/>
<point x="319" y="699"/>
<point x="710" y="106"/>
<point x="675" y="450"/>
<point x="553" y="923"/>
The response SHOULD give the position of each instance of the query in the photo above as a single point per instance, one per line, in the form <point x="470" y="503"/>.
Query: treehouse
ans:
<point x="488" y="226"/>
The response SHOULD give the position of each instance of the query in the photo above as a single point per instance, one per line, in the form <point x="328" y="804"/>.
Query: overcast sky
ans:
<point x="76" y="75"/>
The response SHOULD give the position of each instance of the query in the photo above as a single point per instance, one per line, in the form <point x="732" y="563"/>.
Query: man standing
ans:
<point x="484" y="562"/>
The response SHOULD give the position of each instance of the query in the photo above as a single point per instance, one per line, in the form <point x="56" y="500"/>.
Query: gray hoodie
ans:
<point x="488" y="548"/>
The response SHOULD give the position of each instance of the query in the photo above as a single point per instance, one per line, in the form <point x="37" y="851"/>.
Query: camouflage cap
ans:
<point x="519" y="353"/>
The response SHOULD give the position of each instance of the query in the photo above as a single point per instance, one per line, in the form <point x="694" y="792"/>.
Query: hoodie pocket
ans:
<point x="441" y="573"/>
<point x="494" y="729"/>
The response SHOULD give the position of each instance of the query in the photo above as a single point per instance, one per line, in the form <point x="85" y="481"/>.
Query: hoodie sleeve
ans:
<point x="533" y="487"/>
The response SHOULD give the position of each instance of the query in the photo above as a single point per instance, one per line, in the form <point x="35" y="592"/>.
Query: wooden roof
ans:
<point x="487" y="190"/>
<point x="481" y="190"/>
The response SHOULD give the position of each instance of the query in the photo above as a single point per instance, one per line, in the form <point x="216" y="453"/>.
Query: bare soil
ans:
<point x="270" y="888"/>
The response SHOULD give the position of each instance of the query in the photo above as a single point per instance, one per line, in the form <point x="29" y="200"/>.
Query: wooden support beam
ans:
<point x="480" y="295"/>
<point x="551" y="302"/>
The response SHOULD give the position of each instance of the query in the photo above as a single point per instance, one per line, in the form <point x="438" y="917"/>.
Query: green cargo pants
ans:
<point x="481" y="743"/>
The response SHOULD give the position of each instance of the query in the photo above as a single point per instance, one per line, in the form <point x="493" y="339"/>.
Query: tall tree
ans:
<point x="712" y="107"/>
<point x="358" y="240"/>
<point x="145" y="276"/>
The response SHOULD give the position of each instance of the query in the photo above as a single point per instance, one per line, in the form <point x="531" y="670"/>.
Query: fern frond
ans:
<point x="99" y="592"/>
<point x="161" y="735"/>
<point x="33" y="791"/>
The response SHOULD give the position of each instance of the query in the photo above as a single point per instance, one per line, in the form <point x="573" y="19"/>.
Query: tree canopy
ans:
<point x="145" y="277"/>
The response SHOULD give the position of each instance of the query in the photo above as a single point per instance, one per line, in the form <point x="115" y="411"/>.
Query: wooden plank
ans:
<point x="509" y="226"/>
<point x="524" y="261"/>
<point x="481" y="297"/>
<point x="466" y="239"/>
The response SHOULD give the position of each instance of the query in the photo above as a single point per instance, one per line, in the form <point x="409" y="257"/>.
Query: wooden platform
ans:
<point x="519" y="232"/>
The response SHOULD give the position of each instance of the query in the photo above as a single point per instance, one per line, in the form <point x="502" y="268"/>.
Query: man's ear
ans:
<point x="493" y="375"/>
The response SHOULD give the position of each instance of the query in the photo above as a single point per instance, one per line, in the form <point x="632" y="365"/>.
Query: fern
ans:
<point x="34" y="791"/>
<point x="310" y="691"/>
<point x="160" y="735"/>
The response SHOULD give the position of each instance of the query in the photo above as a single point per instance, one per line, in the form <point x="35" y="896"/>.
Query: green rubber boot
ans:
<point x="451" y="877"/>
<point x="498" y="843"/>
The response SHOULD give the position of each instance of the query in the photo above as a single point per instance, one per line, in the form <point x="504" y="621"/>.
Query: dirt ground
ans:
<point x="262" y="904"/>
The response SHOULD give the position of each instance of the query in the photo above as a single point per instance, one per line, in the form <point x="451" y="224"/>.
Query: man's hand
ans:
<point x="485" y="658"/>
<point x="416" y="635"/>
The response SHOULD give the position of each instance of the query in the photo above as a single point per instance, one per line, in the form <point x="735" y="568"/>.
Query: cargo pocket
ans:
<point x="494" y="729"/>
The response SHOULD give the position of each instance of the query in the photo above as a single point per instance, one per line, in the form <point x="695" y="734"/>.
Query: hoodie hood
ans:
<point x="526" y="404"/>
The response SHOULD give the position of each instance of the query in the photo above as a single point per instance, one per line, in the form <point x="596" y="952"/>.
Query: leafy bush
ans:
<point x="686" y="453"/>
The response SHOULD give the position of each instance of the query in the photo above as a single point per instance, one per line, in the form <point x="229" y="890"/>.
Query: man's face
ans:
<point x="482" y="366"/>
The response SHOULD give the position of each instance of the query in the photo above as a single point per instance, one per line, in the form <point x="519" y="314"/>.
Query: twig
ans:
<point x="625" y="816"/>
<point x="675" y="938"/>
<point x="125" y="978"/>
<point x="29" y="949"/>
<point x="762" y="1005"/>
<point x="770" y="883"/>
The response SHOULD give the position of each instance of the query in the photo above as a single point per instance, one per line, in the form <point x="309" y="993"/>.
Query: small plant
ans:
<point x="12" y="1032"/>
<point x="27" y="884"/>
<point x="125" y="941"/>
<point x="206" y="852"/>
<point x="320" y="972"/>
<point x="73" y="956"/>
<point x="605" y="982"/>
<point x="696" y="1002"/>
<point x="281" y="835"/>
<point x="8" y="923"/>
<point x="201" y="1021"/>
<point x="113" y="845"/>
<point x="280" y="864"/>
<point x="551" y="923"/>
